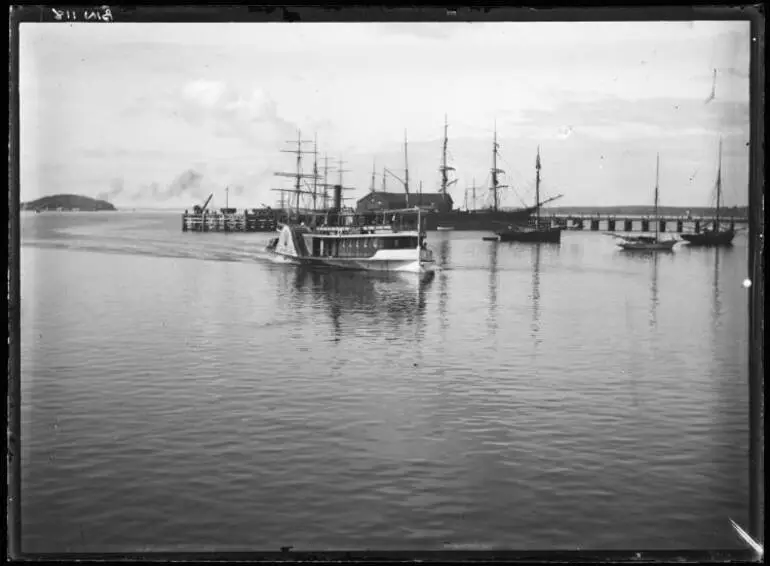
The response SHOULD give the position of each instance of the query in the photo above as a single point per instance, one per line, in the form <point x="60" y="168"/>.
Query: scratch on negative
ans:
<point x="747" y="539"/>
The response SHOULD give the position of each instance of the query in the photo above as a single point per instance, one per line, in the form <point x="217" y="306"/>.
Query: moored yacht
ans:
<point x="649" y="243"/>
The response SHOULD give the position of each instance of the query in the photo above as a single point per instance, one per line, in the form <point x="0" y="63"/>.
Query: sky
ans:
<point x="162" y="115"/>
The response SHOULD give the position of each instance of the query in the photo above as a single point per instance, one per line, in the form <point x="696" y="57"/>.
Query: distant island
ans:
<point x="725" y="211"/>
<point x="68" y="203"/>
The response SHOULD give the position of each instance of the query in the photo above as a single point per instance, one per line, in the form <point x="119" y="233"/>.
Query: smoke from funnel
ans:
<point x="116" y="187"/>
<point x="187" y="183"/>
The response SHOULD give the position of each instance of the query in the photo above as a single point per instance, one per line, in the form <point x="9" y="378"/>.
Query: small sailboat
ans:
<point x="714" y="236"/>
<point x="541" y="232"/>
<point x="649" y="243"/>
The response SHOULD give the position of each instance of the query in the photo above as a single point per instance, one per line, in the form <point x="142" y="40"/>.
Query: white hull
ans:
<point x="292" y="248"/>
<point x="444" y="228"/>
<point x="412" y="265"/>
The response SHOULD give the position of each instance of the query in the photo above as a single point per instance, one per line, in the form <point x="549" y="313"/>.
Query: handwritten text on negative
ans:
<point x="95" y="14"/>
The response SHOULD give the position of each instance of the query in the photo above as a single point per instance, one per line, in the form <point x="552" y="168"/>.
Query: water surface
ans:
<point x="182" y="392"/>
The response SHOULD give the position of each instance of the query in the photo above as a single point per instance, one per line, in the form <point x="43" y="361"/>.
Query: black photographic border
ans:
<point x="586" y="11"/>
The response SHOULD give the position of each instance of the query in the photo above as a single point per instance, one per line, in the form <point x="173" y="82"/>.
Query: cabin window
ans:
<point x="374" y="243"/>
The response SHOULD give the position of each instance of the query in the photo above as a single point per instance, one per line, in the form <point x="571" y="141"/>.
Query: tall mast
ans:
<point x="297" y="175"/>
<point x="315" y="172"/>
<point x="657" y="174"/>
<point x="299" y="167"/>
<point x="537" y="187"/>
<point x="326" y="182"/>
<point x="445" y="169"/>
<point x="374" y="174"/>
<point x="495" y="171"/>
<point x="474" y="193"/>
<point x="719" y="185"/>
<point x="405" y="180"/>
<point x="443" y="158"/>
<point x="340" y="170"/>
<point x="384" y="183"/>
<point x="406" y="165"/>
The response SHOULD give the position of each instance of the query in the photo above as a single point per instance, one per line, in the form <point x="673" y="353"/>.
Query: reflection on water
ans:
<point x="536" y="294"/>
<point x="717" y="304"/>
<point x="655" y="259"/>
<point x="493" y="281"/>
<point x="171" y="380"/>
<point x="651" y="260"/>
<point x="443" y="251"/>
<point x="398" y="298"/>
<point x="443" y="294"/>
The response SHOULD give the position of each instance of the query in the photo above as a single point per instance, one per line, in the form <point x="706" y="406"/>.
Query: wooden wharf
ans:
<point x="230" y="220"/>
<point x="637" y="223"/>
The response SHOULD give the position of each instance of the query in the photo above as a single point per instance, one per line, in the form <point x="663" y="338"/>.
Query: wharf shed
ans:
<point x="380" y="200"/>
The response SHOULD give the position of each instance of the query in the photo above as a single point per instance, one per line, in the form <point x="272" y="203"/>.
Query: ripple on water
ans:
<point x="180" y="393"/>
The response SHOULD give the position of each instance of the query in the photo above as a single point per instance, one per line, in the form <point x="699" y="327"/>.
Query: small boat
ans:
<point x="711" y="238"/>
<point x="444" y="228"/>
<point x="714" y="236"/>
<point x="649" y="243"/>
<point x="646" y="243"/>
<point x="539" y="232"/>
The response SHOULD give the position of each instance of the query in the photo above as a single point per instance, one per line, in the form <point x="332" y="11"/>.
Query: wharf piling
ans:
<point x="230" y="220"/>
<point x="631" y="223"/>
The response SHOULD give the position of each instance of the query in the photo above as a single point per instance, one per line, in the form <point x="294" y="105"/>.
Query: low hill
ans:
<point x="736" y="211"/>
<point x="67" y="202"/>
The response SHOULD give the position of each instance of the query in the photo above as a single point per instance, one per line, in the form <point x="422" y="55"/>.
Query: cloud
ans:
<point x="618" y="118"/>
<point x="229" y="112"/>
<point x="205" y="93"/>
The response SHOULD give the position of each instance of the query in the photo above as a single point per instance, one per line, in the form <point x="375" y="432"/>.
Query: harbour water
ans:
<point x="182" y="392"/>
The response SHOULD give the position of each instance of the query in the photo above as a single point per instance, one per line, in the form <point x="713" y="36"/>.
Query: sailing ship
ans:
<point x="383" y="240"/>
<point x="540" y="231"/>
<point x="714" y="236"/>
<point x="649" y="243"/>
<point x="484" y="219"/>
